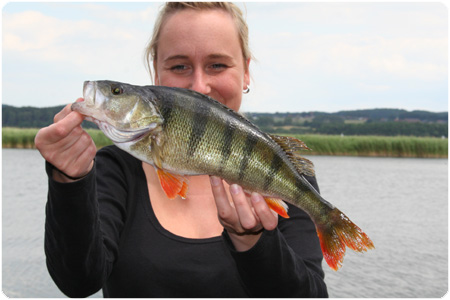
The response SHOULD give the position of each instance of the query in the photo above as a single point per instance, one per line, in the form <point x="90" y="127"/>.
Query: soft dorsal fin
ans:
<point x="288" y="143"/>
<point x="292" y="146"/>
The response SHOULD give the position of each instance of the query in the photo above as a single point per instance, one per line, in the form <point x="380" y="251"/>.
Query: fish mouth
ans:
<point x="119" y="136"/>
<point x="93" y="98"/>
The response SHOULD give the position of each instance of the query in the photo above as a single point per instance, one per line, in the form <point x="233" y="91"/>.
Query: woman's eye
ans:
<point x="179" y="68"/>
<point x="218" y="66"/>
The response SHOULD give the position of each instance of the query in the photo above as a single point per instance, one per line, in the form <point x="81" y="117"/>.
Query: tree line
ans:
<point x="383" y="122"/>
<point x="31" y="117"/>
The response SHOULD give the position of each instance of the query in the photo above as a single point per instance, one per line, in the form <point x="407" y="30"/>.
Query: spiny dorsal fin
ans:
<point x="292" y="146"/>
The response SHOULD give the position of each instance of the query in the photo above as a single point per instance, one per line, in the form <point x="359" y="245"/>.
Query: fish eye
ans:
<point x="116" y="90"/>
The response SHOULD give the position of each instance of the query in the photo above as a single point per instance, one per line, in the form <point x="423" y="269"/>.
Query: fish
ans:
<point x="185" y="133"/>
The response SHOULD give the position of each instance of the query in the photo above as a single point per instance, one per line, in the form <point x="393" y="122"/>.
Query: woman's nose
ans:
<point x="200" y="82"/>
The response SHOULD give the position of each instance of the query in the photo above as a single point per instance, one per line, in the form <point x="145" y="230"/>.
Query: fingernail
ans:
<point x="256" y="197"/>
<point x="235" y="189"/>
<point x="215" y="181"/>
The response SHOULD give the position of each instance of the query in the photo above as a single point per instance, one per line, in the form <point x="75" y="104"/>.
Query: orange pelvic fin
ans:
<point x="337" y="234"/>
<point x="278" y="206"/>
<point x="172" y="184"/>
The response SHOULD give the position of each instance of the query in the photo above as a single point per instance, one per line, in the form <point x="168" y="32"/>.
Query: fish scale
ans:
<point x="182" y="132"/>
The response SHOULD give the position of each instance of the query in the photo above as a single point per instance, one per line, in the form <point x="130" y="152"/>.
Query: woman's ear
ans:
<point x="247" y="74"/>
<point x="156" y="77"/>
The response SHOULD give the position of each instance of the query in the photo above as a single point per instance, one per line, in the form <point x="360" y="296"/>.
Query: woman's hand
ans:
<point x="245" y="217"/>
<point x="66" y="145"/>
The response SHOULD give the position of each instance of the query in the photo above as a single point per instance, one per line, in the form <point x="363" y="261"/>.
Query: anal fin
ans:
<point x="172" y="184"/>
<point x="278" y="206"/>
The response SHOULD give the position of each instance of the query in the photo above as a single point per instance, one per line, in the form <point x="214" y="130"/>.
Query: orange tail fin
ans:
<point x="337" y="233"/>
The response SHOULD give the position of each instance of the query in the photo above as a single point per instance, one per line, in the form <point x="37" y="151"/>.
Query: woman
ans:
<point x="109" y="224"/>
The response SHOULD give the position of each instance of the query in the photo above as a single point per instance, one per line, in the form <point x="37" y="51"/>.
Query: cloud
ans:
<point x="53" y="52"/>
<point x="20" y="34"/>
<point x="357" y="55"/>
<point x="374" y="87"/>
<point x="310" y="55"/>
<point x="335" y="55"/>
<point x="108" y="13"/>
<point x="88" y="44"/>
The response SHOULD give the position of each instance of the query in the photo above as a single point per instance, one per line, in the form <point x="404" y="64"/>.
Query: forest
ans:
<point x="374" y="122"/>
<point x="378" y="122"/>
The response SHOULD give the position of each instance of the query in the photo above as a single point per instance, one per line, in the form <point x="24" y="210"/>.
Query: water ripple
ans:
<point x="400" y="203"/>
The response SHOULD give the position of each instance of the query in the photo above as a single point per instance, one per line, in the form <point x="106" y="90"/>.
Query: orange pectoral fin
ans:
<point x="278" y="206"/>
<point x="184" y="189"/>
<point x="172" y="184"/>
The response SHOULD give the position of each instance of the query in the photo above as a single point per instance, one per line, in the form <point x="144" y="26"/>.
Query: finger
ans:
<point x="66" y="145"/>
<point x="65" y="111"/>
<point x="74" y="157"/>
<point x="224" y="209"/>
<point x="74" y="145"/>
<point x="83" y="158"/>
<point x="57" y="131"/>
<point x="64" y="127"/>
<point x="268" y="220"/>
<point x="247" y="217"/>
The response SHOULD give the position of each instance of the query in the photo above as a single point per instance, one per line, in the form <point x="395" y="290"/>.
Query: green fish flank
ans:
<point x="184" y="133"/>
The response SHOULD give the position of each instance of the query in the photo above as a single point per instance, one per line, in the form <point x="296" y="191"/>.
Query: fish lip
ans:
<point x="89" y="91"/>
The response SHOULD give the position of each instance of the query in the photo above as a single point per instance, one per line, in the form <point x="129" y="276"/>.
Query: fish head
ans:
<point x="122" y="111"/>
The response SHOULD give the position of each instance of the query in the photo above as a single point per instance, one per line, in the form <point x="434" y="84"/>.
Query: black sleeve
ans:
<point x="285" y="262"/>
<point x="81" y="241"/>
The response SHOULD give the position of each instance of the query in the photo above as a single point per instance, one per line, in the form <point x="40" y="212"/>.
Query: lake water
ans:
<point x="402" y="204"/>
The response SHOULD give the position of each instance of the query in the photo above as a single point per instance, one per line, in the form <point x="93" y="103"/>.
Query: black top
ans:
<point x="101" y="232"/>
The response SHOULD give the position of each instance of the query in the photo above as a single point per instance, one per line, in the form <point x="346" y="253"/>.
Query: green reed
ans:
<point x="24" y="137"/>
<point x="99" y="138"/>
<point x="320" y="144"/>
<point x="400" y="146"/>
<point x="18" y="137"/>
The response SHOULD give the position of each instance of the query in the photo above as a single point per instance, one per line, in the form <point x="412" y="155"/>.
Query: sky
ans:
<point x="309" y="56"/>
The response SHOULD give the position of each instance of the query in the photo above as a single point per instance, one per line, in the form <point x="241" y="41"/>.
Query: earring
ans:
<point x="247" y="90"/>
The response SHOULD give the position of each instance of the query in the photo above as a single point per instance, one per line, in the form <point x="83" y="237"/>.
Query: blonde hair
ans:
<point x="172" y="7"/>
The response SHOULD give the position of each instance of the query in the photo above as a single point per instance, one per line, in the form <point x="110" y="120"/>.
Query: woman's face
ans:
<point x="200" y="50"/>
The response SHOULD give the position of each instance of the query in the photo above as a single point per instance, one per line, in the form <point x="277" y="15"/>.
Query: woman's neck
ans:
<point x="193" y="217"/>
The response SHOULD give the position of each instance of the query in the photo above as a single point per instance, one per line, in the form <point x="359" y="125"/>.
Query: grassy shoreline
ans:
<point x="383" y="146"/>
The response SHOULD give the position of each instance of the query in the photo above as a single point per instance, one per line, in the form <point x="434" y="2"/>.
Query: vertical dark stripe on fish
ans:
<point x="275" y="166"/>
<point x="250" y="142"/>
<point x="166" y="112"/>
<point x="226" y="143"/>
<point x="200" y="120"/>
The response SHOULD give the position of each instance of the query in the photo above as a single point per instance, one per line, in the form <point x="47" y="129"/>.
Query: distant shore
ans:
<point x="336" y="145"/>
<point x="382" y="146"/>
